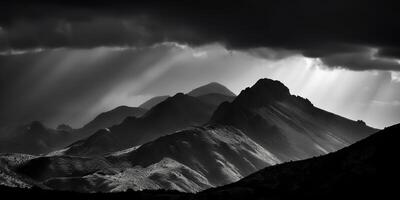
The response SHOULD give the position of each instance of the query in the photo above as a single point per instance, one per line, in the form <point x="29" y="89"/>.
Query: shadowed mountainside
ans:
<point x="168" y="116"/>
<point x="110" y="118"/>
<point x="289" y="126"/>
<point x="149" y="104"/>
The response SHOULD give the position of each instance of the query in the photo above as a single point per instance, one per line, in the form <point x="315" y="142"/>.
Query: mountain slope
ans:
<point x="363" y="169"/>
<point x="110" y="118"/>
<point x="171" y="115"/>
<point x="149" y="104"/>
<point x="289" y="126"/>
<point x="36" y="139"/>
<point x="215" y="99"/>
<point x="190" y="161"/>
<point x="211" y="88"/>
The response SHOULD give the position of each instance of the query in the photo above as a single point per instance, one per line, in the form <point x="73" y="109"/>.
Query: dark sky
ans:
<point x="37" y="37"/>
<point x="331" y="30"/>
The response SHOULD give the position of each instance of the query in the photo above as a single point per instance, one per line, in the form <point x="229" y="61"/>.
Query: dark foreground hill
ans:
<point x="363" y="170"/>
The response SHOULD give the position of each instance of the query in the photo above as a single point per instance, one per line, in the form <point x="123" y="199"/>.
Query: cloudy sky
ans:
<point x="65" y="62"/>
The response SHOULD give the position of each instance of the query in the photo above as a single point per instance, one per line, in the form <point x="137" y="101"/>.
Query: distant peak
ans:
<point x="180" y="94"/>
<point x="121" y="107"/>
<point x="214" y="84"/>
<point x="211" y="88"/>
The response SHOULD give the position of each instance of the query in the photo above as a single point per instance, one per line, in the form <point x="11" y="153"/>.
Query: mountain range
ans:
<point x="361" y="170"/>
<point x="289" y="126"/>
<point x="191" y="143"/>
<point x="42" y="140"/>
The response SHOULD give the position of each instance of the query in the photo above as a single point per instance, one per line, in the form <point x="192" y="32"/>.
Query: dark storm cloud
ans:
<point x="314" y="28"/>
<point x="361" y="60"/>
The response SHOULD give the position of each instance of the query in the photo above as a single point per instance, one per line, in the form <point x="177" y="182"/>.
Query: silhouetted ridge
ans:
<point x="110" y="118"/>
<point x="178" y="104"/>
<point x="263" y="92"/>
<point x="149" y="104"/>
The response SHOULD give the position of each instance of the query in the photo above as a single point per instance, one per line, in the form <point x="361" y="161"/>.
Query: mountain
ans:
<point x="289" y="126"/>
<point x="211" y="88"/>
<point x="35" y="138"/>
<point x="110" y="118"/>
<point x="210" y="92"/>
<point x="190" y="160"/>
<point x="364" y="169"/>
<point x="173" y="114"/>
<point x="149" y="104"/>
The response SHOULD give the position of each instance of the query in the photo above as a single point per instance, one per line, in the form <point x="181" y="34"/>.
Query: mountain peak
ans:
<point x="263" y="91"/>
<point x="211" y="88"/>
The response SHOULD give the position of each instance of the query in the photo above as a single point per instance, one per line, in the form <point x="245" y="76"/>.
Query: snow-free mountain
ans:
<point x="190" y="161"/>
<point x="173" y="114"/>
<point x="35" y="138"/>
<point x="193" y="142"/>
<point x="289" y="126"/>
<point x="211" y="88"/>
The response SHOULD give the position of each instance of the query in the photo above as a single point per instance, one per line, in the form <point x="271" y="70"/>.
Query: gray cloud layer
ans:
<point x="315" y="28"/>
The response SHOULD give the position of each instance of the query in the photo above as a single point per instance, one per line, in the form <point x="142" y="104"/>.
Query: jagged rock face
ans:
<point x="289" y="126"/>
<point x="190" y="161"/>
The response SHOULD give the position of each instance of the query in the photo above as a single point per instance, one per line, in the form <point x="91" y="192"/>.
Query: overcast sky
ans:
<point x="65" y="62"/>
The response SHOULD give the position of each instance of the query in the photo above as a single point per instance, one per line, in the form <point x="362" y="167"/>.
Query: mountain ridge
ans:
<point x="290" y="126"/>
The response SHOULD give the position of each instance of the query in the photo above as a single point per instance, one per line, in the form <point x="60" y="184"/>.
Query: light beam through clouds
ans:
<point x="73" y="85"/>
